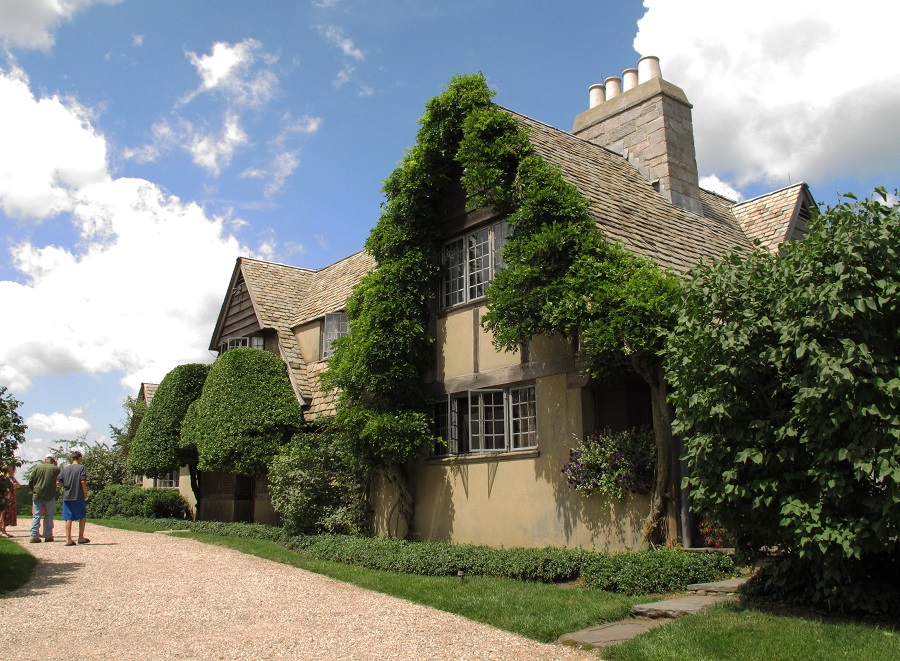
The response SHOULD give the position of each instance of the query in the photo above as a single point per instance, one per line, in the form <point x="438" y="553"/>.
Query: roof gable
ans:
<point x="773" y="218"/>
<point x="330" y="287"/>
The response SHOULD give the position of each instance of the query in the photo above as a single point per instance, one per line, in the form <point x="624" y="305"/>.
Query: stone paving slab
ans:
<point x="729" y="586"/>
<point x="611" y="633"/>
<point x="672" y="608"/>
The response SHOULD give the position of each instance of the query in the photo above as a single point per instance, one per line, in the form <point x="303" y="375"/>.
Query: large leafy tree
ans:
<point x="123" y="436"/>
<point x="157" y="446"/>
<point x="246" y="412"/>
<point x="786" y="377"/>
<point x="12" y="435"/>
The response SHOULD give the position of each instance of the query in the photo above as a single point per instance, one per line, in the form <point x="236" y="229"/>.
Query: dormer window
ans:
<point x="471" y="261"/>
<point x="335" y="326"/>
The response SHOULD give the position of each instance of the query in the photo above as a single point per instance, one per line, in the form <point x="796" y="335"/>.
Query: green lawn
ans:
<point x="733" y="632"/>
<point x="544" y="612"/>
<point x="16" y="563"/>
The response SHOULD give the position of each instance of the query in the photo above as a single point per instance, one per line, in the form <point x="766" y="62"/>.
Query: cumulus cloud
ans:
<point x="49" y="150"/>
<point x="137" y="293"/>
<point x="31" y="23"/>
<point x="59" y="424"/>
<point x="214" y="152"/>
<point x="782" y="90"/>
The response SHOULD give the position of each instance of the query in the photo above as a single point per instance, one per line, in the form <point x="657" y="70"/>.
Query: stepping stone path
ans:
<point x="649" y="616"/>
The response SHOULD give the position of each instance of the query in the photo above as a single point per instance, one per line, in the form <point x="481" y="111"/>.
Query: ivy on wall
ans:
<point x="561" y="277"/>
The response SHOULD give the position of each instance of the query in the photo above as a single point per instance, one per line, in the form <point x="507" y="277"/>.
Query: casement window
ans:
<point x="486" y="421"/>
<point x="335" y="326"/>
<point x="471" y="261"/>
<point x="252" y="341"/>
<point x="167" y="480"/>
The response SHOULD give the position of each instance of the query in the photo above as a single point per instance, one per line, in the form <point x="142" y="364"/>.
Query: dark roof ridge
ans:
<point x="266" y="261"/>
<point x="779" y="190"/>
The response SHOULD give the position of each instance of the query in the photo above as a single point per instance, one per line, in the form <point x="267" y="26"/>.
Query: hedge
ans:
<point x="642" y="572"/>
<point x="126" y="500"/>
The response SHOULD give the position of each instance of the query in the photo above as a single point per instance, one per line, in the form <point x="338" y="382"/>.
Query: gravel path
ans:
<point x="156" y="596"/>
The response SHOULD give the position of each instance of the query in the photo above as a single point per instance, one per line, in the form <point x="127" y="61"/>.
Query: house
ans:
<point x="509" y="419"/>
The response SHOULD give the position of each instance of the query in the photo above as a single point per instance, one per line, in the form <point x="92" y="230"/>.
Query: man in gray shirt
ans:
<point x="73" y="477"/>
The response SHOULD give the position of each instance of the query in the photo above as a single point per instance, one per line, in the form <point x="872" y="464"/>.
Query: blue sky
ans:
<point x="144" y="145"/>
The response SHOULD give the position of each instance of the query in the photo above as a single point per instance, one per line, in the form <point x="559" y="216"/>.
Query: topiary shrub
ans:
<point x="157" y="446"/>
<point x="247" y="411"/>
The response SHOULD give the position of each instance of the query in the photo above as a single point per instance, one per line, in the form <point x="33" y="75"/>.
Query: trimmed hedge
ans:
<point x="642" y="572"/>
<point x="126" y="500"/>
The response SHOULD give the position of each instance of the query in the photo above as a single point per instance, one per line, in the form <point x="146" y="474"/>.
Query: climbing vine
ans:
<point x="562" y="277"/>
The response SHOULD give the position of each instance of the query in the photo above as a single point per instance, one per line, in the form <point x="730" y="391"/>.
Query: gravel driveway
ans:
<point x="142" y="595"/>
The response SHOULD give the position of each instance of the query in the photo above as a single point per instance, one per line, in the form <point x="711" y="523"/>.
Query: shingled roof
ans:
<point x="276" y="291"/>
<point x="775" y="217"/>
<point x="628" y="208"/>
<point x="331" y="286"/>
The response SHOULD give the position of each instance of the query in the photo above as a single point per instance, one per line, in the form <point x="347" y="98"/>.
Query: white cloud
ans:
<point x="335" y="36"/>
<point x="59" y="424"/>
<point x="713" y="183"/>
<point x="214" y="152"/>
<point x="229" y="69"/>
<point x="137" y="40"/>
<point x="49" y="150"/>
<point x="140" y="291"/>
<point x="30" y="23"/>
<point x="782" y="90"/>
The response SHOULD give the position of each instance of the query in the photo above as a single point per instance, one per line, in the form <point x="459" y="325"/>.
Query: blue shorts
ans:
<point x="74" y="510"/>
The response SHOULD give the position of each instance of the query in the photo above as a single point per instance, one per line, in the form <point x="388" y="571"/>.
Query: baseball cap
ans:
<point x="49" y="455"/>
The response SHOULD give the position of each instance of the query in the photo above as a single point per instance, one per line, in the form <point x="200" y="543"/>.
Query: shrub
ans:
<point x="315" y="487"/>
<point x="157" y="443"/>
<point x="612" y="463"/>
<point x="654" y="571"/>
<point x="247" y="411"/>
<point x="165" y="504"/>
<point x="784" y="369"/>
<point x="127" y="500"/>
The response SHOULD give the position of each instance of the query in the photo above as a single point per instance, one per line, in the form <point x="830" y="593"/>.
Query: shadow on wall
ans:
<point x="433" y="494"/>
<point x="610" y="524"/>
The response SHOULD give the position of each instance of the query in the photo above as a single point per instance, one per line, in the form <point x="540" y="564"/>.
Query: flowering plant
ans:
<point x="613" y="463"/>
<point x="713" y="534"/>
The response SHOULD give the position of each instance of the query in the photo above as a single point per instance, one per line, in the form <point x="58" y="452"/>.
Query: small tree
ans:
<point x="123" y="436"/>
<point x="157" y="447"/>
<point x="246" y="412"/>
<point x="12" y="435"/>
<point x="786" y="378"/>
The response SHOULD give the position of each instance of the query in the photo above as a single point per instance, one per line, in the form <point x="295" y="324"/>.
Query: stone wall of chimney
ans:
<point x="651" y="125"/>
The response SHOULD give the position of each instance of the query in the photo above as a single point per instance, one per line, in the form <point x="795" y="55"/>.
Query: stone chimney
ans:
<point x="647" y="120"/>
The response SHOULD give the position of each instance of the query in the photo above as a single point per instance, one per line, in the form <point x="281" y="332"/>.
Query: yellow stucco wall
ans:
<point x="525" y="500"/>
<point x="458" y="335"/>
<point x="309" y="337"/>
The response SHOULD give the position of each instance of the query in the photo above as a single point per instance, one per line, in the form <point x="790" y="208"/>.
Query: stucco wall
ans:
<point x="309" y="338"/>
<point x="523" y="499"/>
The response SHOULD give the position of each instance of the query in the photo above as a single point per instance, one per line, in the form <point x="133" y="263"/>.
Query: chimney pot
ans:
<point x="629" y="79"/>
<point x="648" y="68"/>
<point x="597" y="94"/>
<point x="613" y="86"/>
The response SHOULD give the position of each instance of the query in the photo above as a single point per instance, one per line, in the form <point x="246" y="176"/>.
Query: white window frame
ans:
<point x="470" y="263"/>
<point x="250" y="341"/>
<point x="167" y="480"/>
<point x="334" y="325"/>
<point x="460" y="421"/>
